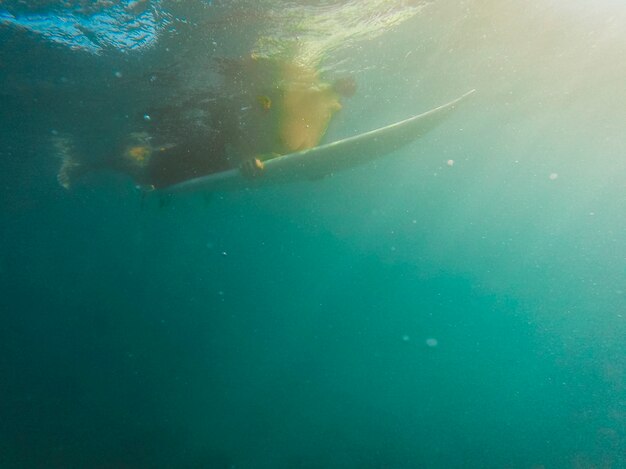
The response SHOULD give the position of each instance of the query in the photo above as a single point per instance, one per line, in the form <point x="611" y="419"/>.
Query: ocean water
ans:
<point x="460" y="303"/>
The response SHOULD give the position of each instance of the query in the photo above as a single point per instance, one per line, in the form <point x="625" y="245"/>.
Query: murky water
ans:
<point x="460" y="303"/>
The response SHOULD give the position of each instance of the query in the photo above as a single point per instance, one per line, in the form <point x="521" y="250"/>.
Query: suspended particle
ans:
<point x="432" y="342"/>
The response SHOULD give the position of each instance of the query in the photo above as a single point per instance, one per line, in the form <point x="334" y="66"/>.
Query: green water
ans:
<point x="459" y="304"/>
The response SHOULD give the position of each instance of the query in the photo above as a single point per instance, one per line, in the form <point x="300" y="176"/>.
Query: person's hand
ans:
<point x="252" y="168"/>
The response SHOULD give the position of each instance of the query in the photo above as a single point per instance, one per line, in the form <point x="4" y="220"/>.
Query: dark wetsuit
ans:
<point x="188" y="160"/>
<point x="181" y="149"/>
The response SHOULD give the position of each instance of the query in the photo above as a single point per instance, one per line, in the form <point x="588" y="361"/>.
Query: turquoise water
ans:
<point x="459" y="304"/>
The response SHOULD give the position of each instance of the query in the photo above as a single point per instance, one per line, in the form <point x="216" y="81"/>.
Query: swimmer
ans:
<point x="265" y="108"/>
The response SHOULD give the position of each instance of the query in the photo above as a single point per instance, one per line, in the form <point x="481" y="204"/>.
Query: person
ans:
<point x="263" y="109"/>
<point x="172" y="149"/>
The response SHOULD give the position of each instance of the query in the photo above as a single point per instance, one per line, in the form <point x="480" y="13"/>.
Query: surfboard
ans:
<point x="327" y="159"/>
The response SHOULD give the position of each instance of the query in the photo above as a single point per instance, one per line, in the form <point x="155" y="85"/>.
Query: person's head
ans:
<point x="345" y="86"/>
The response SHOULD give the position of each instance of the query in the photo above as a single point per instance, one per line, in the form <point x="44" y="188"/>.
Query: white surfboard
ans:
<point x="326" y="159"/>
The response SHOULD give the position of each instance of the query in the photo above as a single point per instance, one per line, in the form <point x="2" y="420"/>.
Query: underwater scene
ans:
<point x="313" y="234"/>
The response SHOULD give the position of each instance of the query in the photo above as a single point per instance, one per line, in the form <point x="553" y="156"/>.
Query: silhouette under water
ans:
<point x="264" y="108"/>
